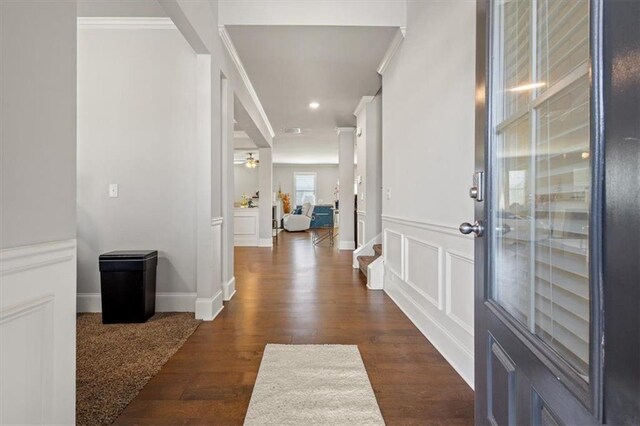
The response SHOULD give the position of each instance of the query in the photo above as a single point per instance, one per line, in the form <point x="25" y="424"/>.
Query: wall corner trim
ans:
<point x="231" y="49"/>
<point x="208" y="308"/>
<point x="229" y="289"/>
<point x="126" y="23"/>
<point x="395" y="44"/>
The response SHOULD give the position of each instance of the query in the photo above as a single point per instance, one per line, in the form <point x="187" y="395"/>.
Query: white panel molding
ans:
<point x="437" y="301"/>
<point x="228" y="44"/>
<point x="208" y="308"/>
<point x="229" y="289"/>
<point x="394" y="46"/>
<point x="126" y="23"/>
<point x="388" y="261"/>
<point x="217" y="221"/>
<point x="449" y="346"/>
<point x="29" y="321"/>
<point x="451" y="256"/>
<point x="38" y="333"/>
<point x="14" y="312"/>
<point x="246" y="225"/>
<point x="429" y="226"/>
<point x="22" y="259"/>
<point x="362" y="228"/>
<point x="165" y="302"/>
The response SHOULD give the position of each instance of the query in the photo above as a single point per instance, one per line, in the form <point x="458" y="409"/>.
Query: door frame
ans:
<point x="613" y="25"/>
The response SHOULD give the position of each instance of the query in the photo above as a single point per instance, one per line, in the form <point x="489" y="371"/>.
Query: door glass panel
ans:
<point x="541" y="172"/>
<point x="562" y="35"/>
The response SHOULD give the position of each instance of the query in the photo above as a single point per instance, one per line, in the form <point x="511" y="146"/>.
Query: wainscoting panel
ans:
<point x="362" y="229"/>
<point x="429" y="275"/>
<point x="423" y="263"/>
<point x="245" y="225"/>
<point x="459" y="274"/>
<point x="393" y="250"/>
<point x="37" y="333"/>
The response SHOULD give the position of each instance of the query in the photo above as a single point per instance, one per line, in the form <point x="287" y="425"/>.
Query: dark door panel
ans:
<point x="557" y="253"/>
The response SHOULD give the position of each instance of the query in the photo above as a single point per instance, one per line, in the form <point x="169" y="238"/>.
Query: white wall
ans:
<point x="369" y="167"/>
<point x="137" y="129"/>
<point x="37" y="212"/>
<point x="327" y="178"/>
<point x="37" y="184"/>
<point x="428" y="150"/>
<point x="246" y="181"/>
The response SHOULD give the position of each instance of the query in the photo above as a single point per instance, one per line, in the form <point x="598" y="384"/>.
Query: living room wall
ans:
<point x="327" y="178"/>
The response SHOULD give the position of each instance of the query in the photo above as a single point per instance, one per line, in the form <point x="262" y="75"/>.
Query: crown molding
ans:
<point x="363" y="102"/>
<point x="126" y="23"/>
<point x="345" y="129"/>
<point x="395" y="44"/>
<point x="228" y="44"/>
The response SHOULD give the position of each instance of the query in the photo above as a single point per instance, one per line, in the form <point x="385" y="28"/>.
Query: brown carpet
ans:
<point x="115" y="361"/>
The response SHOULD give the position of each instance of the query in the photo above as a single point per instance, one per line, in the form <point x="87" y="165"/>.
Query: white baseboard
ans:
<point x="265" y="242"/>
<point x="229" y="289"/>
<point x="448" y="346"/>
<point x="165" y="302"/>
<point x="207" y="308"/>
<point x="88" y="302"/>
<point x="347" y="245"/>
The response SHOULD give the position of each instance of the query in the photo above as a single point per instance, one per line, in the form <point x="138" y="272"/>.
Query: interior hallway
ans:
<point x="301" y="294"/>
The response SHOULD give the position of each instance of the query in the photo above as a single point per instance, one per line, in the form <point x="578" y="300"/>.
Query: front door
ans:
<point x="550" y="119"/>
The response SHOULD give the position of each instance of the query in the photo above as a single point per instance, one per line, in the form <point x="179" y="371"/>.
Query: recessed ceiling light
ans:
<point x="314" y="105"/>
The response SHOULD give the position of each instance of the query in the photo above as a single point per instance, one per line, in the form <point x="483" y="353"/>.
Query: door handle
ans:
<point x="477" y="228"/>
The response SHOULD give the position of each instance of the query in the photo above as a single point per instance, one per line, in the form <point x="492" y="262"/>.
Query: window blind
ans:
<point x="541" y="248"/>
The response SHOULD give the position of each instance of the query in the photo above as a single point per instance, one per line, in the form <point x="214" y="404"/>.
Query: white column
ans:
<point x="346" y="140"/>
<point x="228" y="278"/>
<point x="265" y="174"/>
<point x="209" y="184"/>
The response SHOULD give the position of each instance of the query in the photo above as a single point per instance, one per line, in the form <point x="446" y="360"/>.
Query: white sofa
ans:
<point x="299" y="222"/>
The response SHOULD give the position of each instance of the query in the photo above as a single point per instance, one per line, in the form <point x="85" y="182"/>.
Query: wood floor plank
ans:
<point x="301" y="294"/>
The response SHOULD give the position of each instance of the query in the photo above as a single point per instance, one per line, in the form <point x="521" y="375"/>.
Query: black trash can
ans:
<point x="128" y="285"/>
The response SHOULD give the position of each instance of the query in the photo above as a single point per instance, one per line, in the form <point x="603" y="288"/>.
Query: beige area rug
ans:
<point x="313" y="385"/>
<point x="115" y="361"/>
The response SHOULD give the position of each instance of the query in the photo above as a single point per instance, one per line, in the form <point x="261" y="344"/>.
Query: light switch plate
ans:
<point x="113" y="190"/>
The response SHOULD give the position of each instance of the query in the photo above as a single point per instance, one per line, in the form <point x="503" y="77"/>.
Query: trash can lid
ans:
<point x="129" y="254"/>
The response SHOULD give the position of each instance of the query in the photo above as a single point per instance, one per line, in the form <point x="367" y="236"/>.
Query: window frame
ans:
<point x="295" y="184"/>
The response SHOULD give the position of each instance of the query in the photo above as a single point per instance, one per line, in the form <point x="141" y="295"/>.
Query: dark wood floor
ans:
<point x="299" y="293"/>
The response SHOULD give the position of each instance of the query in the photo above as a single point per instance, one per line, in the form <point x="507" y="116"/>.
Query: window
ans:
<point x="304" y="186"/>
<point x="540" y="261"/>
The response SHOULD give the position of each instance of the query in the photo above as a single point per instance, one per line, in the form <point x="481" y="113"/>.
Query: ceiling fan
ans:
<point x="251" y="162"/>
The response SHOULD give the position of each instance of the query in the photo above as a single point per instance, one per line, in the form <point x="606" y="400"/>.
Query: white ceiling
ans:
<point x="290" y="66"/>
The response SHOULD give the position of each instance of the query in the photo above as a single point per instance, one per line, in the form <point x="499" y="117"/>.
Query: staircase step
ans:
<point x="377" y="248"/>
<point x="364" y="262"/>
